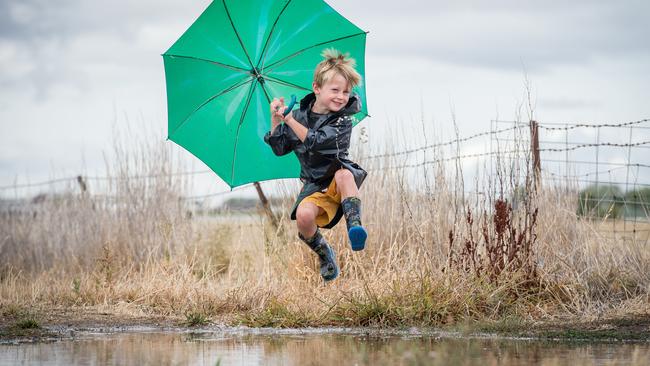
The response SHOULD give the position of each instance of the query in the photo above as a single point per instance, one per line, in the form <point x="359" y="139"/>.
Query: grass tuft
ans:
<point x="195" y="319"/>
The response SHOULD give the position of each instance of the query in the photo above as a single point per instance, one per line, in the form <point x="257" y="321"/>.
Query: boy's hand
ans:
<point x="277" y="110"/>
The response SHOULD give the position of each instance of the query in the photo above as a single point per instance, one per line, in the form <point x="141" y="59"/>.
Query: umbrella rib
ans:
<point x="241" y="120"/>
<point x="365" y="115"/>
<point x="235" y="68"/>
<point x="266" y="94"/>
<point x="269" y="67"/>
<point x="237" y="33"/>
<point x="230" y="88"/>
<point x="286" y="83"/>
<point x="266" y="43"/>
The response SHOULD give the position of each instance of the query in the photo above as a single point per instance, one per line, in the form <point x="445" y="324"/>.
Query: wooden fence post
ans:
<point x="534" y="150"/>
<point x="266" y="206"/>
<point x="82" y="184"/>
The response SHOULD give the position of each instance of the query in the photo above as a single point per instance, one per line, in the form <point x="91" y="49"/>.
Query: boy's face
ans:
<point x="331" y="96"/>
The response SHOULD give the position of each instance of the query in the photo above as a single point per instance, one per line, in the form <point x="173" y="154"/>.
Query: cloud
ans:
<point x="26" y="20"/>
<point x="40" y="40"/>
<point x="507" y="34"/>
<point x="44" y="44"/>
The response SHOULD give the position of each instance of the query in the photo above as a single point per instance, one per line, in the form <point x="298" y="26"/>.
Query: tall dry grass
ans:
<point x="435" y="255"/>
<point x="132" y="217"/>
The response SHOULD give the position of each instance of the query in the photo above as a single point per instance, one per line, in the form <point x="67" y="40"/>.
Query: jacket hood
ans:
<point x="352" y="107"/>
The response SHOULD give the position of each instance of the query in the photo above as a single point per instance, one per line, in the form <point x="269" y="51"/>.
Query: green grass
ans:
<point x="277" y="315"/>
<point x="196" y="319"/>
<point x="28" y="323"/>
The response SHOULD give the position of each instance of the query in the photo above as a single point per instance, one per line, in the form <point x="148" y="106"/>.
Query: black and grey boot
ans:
<point x="356" y="232"/>
<point x="328" y="268"/>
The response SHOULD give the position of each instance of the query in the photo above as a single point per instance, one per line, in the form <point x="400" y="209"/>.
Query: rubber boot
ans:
<point x="356" y="232"/>
<point x="328" y="268"/>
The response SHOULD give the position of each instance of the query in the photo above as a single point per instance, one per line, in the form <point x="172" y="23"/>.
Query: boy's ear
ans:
<point x="316" y="88"/>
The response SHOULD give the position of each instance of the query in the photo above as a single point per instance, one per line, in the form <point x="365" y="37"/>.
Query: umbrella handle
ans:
<point x="292" y="103"/>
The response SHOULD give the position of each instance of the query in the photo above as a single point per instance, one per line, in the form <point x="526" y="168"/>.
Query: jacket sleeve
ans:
<point x="280" y="140"/>
<point x="330" y="138"/>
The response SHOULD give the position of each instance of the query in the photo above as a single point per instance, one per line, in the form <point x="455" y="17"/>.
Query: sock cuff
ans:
<point x="353" y="199"/>
<point x="311" y="240"/>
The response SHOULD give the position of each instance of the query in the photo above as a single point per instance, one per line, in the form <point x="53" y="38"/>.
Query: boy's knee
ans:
<point x="304" y="216"/>
<point x="343" y="175"/>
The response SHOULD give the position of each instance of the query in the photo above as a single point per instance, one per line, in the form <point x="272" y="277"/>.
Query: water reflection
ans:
<point x="227" y="348"/>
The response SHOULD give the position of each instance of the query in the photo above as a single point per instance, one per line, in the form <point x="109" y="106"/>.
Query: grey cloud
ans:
<point x="49" y="40"/>
<point x="25" y="20"/>
<point x="505" y="34"/>
<point x="500" y="34"/>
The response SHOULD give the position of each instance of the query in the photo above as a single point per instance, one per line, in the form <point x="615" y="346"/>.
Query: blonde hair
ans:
<point x="336" y="63"/>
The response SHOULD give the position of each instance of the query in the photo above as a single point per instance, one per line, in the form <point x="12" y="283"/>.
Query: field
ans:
<point x="435" y="258"/>
<point x="623" y="231"/>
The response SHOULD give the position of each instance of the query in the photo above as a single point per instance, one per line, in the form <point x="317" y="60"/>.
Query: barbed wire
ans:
<point x="571" y="126"/>
<point x="601" y="125"/>
<point x="44" y="183"/>
<point x="458" y="157"/>
<point x="196" y="172"/>
<point x="77" y="177"/>
<point x="423" y="148"/>
<point x="595" y="145"/>
<point x="106" y="197"/>
<point x="566" y="143"/>
<point x="440" y="144"/>
<point x="571" y="176"/>
<point x="613" y="199"/>
<point x="591" y="181"/>
<point x="211" y="195"/>
<point x="586" y="162"/>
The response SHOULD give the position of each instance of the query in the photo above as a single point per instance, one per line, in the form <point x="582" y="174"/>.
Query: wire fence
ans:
<point x="610" y="174"/>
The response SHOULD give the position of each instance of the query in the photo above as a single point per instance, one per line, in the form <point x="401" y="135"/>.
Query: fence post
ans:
<point x="534" y="150"/>
<point x="82" y="184"/>
<point x="266" y="206"/>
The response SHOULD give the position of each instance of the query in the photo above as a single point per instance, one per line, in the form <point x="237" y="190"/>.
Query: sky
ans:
<point x="72" y="72"/>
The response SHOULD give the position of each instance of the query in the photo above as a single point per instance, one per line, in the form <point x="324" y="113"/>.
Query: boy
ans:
<point x="319" y="134"/>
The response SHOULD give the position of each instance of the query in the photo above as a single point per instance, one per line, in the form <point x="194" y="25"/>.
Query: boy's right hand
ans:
<point x="277" y="111"/>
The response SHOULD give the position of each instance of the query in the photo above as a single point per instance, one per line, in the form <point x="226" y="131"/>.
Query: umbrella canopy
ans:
<point x="222" y="73"/>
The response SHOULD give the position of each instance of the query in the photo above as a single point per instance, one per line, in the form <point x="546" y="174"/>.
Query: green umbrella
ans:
<point x="225" y="69"/>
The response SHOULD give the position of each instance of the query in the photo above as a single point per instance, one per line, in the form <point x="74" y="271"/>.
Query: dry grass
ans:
<point x="434" y="257"/>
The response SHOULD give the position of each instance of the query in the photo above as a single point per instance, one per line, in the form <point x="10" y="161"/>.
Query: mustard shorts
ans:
<point x="329" y="201"/>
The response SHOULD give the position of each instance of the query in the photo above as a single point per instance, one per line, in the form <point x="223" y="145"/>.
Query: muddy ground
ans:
<point x="17" y="326"/>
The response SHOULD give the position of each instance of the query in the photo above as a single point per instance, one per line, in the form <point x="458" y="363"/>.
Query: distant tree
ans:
<point x="601" y="201"/>
<point x="240" y="204"/>
<point x="638" y="202"/>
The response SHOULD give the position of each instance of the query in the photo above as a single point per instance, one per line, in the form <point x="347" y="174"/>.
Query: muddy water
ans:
<point x="313" y="347"/>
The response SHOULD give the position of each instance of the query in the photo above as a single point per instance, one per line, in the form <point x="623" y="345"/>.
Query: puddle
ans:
<point x="243" y="346"/>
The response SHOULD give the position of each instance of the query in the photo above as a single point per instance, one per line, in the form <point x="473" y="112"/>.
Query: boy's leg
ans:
<point x="351" y="208"/>
<point x="309" y="233"/>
